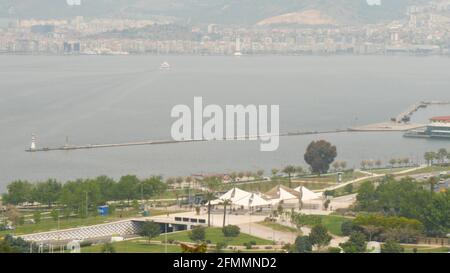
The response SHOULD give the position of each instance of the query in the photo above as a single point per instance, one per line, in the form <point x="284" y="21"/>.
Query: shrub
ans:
<point x="334" y="250"/>
<point x="356" y="243"/>
<point x="347" y="227"/>
<point x="302" y="244"/>
<point x="231" y="231"/>
<point x="392" y="246"/>
<point x="197" y="233"/>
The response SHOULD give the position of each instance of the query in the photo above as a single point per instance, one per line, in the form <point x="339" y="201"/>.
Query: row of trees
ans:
<point x="407" y="198"/>
<point x="83" y="193"/>
<point x="437" y="157"/>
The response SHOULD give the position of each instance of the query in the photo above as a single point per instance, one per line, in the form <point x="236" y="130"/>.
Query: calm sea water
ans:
<point x="96" y="99"/>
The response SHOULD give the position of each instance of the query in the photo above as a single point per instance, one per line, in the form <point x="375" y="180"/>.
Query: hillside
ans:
<point x="208" y="11"/>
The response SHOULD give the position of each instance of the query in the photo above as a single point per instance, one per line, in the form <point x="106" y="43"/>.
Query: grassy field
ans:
<point x="422" y="249"/>
<point x="277" y="227"/>
<point x="134" y="246"/>
<point x="215" y="235"/>
<point x="389" y="170"/>
<point x="142" y="246"/>
<point x="50" y="224"/>
<point x="333" y="223"/>
<point x="430" y="169"/>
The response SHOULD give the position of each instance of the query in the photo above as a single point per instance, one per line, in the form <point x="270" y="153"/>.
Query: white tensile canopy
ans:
<point x="281" y="193"/>
<point x="307" y="194"/>
<point x="252" y="200"/>
<point x="233" y="195"/>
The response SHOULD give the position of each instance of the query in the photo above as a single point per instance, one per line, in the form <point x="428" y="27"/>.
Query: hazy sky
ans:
<point x="374" y="2"/>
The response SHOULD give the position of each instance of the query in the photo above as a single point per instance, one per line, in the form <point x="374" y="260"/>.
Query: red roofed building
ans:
<point x="443" y="119"/>
<point x="439" y="127"/>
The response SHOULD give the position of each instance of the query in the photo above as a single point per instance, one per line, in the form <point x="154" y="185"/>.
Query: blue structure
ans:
<point x="103" y="210"/>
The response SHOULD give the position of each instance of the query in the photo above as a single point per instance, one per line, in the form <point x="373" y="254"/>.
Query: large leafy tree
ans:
<point x="19" y="192"/>
<point x="47" y="192"/>
<point x="127" y="188"/>
<point x="303" y="244"/>
<point x="319" y="155"/>
<point x="319" y="236"/>
<point x="356" y="243"/>
<point x="150" y="230"/>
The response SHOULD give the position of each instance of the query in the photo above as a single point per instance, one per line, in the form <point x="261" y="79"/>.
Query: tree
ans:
<point x="274" y="172"/>
<point x="363" y="164"/>
<point x="347" y="227"/>
<point x="13" y="214"/>
<point x="319" y="155"/>
<point x="289" y="170"/>
<point x="343" y="165"/>
<point x="429" y="157"/>
<point x="47" y="192"/>
<point x="393" y="162"/>
<point x="366" y="196"/>
<point x="319" y="236"/>
<point x="378" y="163"/>
<point x="18" y="192"/>
<point x="303" y="244"/>
<point x="391" y="246"/>
<point x="225" y="203"/>
<point x="209" y="197"/>
<point x="37" y="217"/>
<point x="260" y="173"/>
<point x="54" y="214"/>
<point x="197" y="233"/>
<point x="356" y="243"/>
<point x="441" y="155"/>
<point x="127" y="188"/>
<point x="336" y="165"/>
<point x="432" y="181"/>
<point x="231" y="231"/>
<point x="150" y="230"/>
<point x="108" y="248"/>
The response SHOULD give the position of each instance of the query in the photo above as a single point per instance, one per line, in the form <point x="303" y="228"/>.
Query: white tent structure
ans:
<point x="307" y="194"/>
<point x="252" y="200"/>
<point x="281" y="193"/>
<point x="233" y="195"/>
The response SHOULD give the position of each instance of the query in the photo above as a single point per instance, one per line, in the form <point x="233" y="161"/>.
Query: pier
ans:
<point x="397" y="124"/>
<point x="406" y="115"/>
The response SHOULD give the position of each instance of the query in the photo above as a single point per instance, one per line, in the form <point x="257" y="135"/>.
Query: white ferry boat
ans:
<point x="165" y="66"/>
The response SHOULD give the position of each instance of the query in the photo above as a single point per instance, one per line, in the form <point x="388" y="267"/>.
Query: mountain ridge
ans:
<point x="247" y="12"/>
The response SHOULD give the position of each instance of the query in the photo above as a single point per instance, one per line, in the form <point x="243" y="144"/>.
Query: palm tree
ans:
<point x="209" y="197"/>
<point x="442" y="154"/>
<point x="336" y="165"/>
<point x="429" y="156"/>
<point x="289" y="170"/>
<point x="432" y="181"/>
<point x="225" y="203"/>
<point x="393" y="162"/>
<point x="363" y="164"/>
<point x="378" y="163"/>
<point x="274" y="172"/>
<point x="343" y="165"/>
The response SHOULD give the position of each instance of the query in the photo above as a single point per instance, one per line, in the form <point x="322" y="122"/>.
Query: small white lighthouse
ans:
<point x="33" y="142"/>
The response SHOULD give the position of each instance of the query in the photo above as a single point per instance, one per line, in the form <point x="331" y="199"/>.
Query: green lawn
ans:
<point x="389" y="170"/>
<point x="429" y="169"/>
<point x="421" y="249"/>
<point x="278" y="227"/>
<point x="215" y="235"/>
<point x="333" y="223"/>
<point x="134" y="246"/>
<point x="49" y="224"/>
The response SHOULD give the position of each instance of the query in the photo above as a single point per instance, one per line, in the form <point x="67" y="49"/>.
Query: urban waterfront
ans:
<point x="101" y="99"/>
